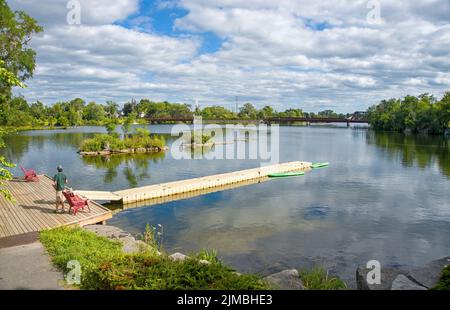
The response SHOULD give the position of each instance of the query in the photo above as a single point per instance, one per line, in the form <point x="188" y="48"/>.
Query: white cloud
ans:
<point x="93" y="12"/>
<point x="271" y="53"/>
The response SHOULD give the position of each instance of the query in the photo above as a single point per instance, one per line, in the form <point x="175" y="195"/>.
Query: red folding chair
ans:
<point x="30" y="175"/>
<point x="75" y="202"/>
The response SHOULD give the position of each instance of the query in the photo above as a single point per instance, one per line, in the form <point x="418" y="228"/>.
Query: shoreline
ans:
<point x="425" y="277"/>
<point x="155" y="149"/>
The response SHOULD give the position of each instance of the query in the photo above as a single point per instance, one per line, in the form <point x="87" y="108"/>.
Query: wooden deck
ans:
<point x="34" y="209"/>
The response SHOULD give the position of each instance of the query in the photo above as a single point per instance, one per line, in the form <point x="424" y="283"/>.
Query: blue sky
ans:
<point x="305" y="54"/>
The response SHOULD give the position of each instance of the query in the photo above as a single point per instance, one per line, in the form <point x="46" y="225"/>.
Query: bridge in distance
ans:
<point x="269" y="120"/>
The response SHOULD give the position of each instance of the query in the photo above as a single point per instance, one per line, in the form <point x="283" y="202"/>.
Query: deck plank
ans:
<point x="33" y="209"/>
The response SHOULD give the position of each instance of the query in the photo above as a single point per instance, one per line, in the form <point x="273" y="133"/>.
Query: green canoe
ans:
<point x="286" y="174"/>
<point x="319" y="165"/>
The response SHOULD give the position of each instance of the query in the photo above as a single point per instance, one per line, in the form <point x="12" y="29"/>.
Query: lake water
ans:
<point x="385" y="196"/>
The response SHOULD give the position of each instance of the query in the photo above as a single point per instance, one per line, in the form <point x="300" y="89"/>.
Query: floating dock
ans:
<point x="34" y="207"/>
<point x="154" y="191"/>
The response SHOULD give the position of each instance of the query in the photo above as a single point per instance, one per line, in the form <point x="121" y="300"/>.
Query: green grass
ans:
<point x="444" y="282"/>
<point x="105" y="266"/>
<point x="65" y="244"/>
<point x="318" y="279"/>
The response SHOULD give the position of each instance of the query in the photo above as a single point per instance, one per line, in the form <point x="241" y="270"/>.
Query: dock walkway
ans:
<point x="34" y="207"/>
<point x="144" y="193"/>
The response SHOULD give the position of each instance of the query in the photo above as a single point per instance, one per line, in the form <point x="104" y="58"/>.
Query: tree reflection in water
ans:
<point x="414" y="150"/>
<point x="134" y="167"/>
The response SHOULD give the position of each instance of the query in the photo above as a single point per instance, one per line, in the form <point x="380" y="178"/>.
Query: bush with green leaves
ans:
<point x="105" y="266"/>
<point x="104" y="142"/>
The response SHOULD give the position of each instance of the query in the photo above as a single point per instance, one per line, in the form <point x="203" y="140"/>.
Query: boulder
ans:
<point x="285" y="280"/>
<point x="402" y="282"/>
<point x="429" y="274"/>
<point x="388" y="275"/>
<point x="178" y="257"/>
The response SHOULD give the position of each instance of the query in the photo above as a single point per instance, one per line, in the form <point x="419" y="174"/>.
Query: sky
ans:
<point x="343" y="55"/>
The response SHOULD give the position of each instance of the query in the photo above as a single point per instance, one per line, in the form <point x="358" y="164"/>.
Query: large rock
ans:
<point x="388" y="275"/>
<point x="403" y="283"/>
<point x="129" y="243"/>
<point x="285" y="280"/>
<point x="430" y="274"/>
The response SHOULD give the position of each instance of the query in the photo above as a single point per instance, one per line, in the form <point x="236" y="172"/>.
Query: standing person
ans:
<point x="59" y="182"/>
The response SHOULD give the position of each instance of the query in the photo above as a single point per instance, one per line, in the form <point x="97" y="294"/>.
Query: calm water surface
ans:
<point x="385" y="196"/>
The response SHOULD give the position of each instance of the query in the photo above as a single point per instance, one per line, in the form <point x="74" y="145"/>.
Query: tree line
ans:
<point x="421" y="114"/>
<point x="17" y="112"/>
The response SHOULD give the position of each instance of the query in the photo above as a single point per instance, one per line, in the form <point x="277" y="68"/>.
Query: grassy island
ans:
<point x="139" y="142"/>
<point x="197" y="139"/>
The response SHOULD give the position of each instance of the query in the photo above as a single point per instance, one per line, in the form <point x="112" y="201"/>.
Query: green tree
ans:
<point x="129" y="107"/>
<point x="292" y="113"/>
<point x="8" y="79"/>
<point x="417" y="114"/>
<point x="217" y="112"/>
<point x="128" y="121"/>
<point x="16" y="31"/>
<point x="111" y="127"/>
<point x="93" y="112"/>
<point x="74" y="117"/>
<point x="77" y="104"/>
<point x="248" y="111"/>
<point x="267" y="111"/>
<point x="38" y="111"/>
<point x="63" y="122"/>
<point x="111" y="109"/>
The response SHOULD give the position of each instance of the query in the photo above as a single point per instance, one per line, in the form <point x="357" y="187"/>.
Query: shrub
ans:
<point x="208" y="255"/>
<point x="99" y="143"/>
<point x="319" y="279"/>
<point x="199" y="138"/>
<point x="105" y="266"/>
<point x="113" y="142"/>
<point x="142" y="132"/>
<point x="161" y="273"/>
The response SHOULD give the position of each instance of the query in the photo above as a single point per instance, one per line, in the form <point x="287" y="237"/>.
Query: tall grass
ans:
<point x="318" y="279"/>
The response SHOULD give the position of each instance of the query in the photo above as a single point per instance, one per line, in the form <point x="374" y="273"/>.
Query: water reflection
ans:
<point x="134" y="167"/>
<point x="414" y="150"/>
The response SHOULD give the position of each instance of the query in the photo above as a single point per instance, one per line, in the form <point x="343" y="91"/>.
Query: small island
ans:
<point x="140" y="141"/>
<point x="198" y="139"/>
